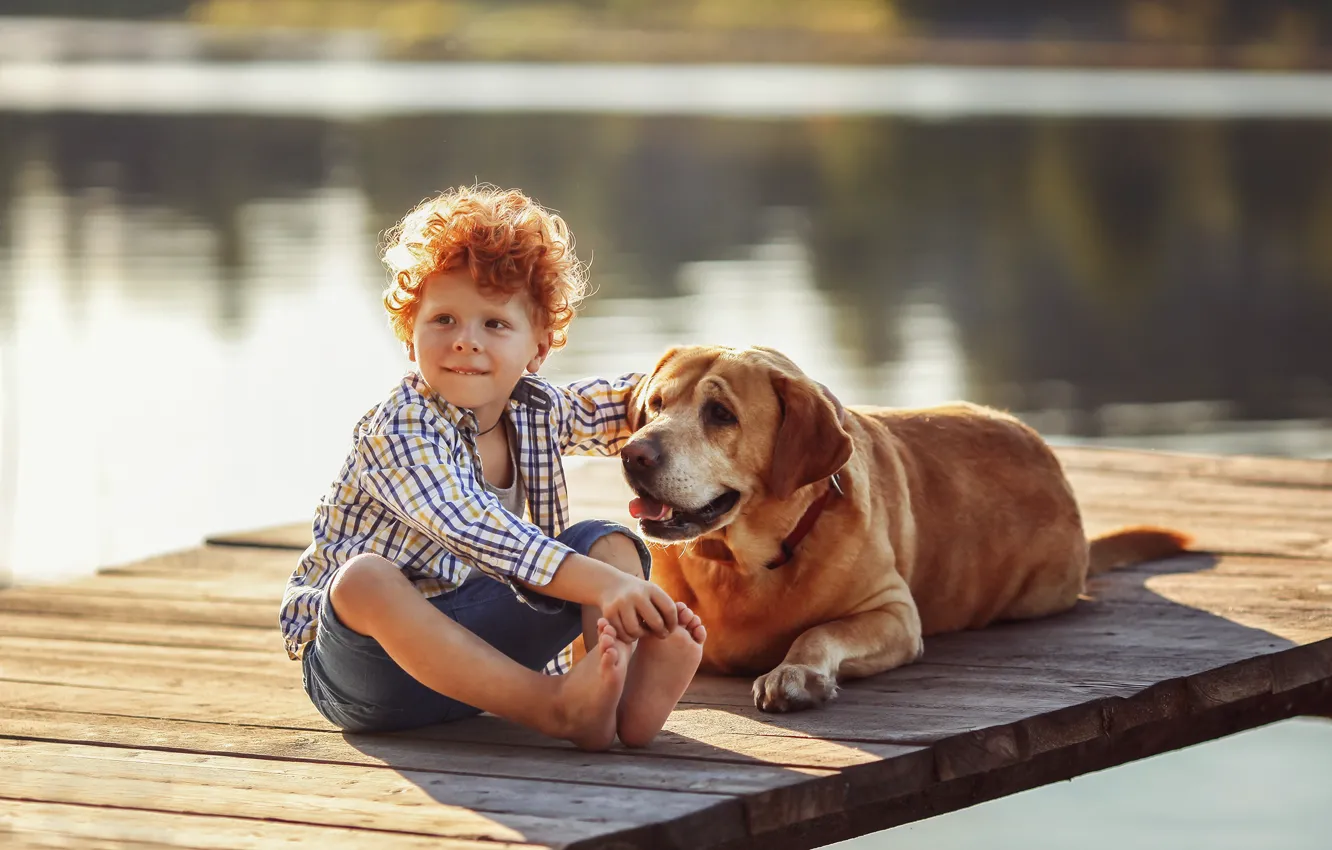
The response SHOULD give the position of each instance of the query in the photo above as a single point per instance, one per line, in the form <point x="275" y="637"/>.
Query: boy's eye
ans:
<point x="443" y="320"/>
<point x="497" y="323"/>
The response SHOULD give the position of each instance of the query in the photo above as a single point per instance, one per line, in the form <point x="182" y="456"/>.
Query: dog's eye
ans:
<point x="654" y="402"/>
<point x="718" y="413"/>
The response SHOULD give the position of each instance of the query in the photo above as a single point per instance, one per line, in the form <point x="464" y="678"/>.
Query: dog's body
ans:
<point x="948" y="518"/>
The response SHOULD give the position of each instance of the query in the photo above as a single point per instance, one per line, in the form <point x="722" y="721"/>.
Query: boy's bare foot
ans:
<point x="659" y="672"/>
<point x="588" y="695"/>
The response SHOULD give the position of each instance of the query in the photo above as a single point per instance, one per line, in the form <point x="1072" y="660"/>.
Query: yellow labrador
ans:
<point x="820" y="543"/>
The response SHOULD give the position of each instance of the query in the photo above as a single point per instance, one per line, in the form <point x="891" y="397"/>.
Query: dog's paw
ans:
<point x="793" y="687"/>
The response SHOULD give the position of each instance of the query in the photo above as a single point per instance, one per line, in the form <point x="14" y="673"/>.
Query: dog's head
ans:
<point x="720" y="429"/>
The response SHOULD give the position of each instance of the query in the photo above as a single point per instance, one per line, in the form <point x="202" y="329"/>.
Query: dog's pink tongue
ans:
<point x="646" y="509"/>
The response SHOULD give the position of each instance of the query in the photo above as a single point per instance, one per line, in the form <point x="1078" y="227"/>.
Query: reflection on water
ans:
<point x="189" y="320"/>
<point x="1265" y="788"/>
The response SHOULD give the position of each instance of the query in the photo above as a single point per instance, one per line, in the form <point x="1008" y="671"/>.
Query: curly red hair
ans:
<point x="507" y="241"/>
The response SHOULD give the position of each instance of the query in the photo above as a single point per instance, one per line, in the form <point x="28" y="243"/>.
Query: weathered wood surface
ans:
<point x="153" y="705"/>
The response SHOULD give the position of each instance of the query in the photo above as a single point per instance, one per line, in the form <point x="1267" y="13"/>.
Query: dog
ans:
<point x="821" y="543"/>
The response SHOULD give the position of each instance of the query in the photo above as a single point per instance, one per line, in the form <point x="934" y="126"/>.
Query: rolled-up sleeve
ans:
<point x="594" y="414"/>
<point x="300" y="608"/>
<point x="412" y="471"/>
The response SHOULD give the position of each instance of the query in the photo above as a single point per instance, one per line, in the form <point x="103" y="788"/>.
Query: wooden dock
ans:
<point x="153" y="704"/>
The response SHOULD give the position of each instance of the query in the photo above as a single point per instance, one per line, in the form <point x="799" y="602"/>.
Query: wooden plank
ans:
<point x="1220" y="594"/>
<point x="142" y="706"/>
<point x="1128" y="642"/>
<point x="1091" y="485"/>
<point x="212" y="636"/>
<point x="58" y="650"/>
<point x="1294" y="505"/>
<point x="287" y="708"/>
<point x="773" y="796"/>
<point x="1111" y="638"/>
<point x="1282" y="598"/>
<point x="1289" y="521"/>
<point x="1305" y="581"/>
<point x="27" y="824"/>
<point x="403" y="751"/>
<point x="725" y="736"/>
<point x="992" y="749"/>
<point x="419" y="802"/>
<point x="210" y="562"/>
<point x="1310" y="571"/>
<point x="1277" y="472"/>
<point x="295" y="536"/>
<point x="198" y="586"/>
<point x="869" y="811"/>
<point x="1161" y="653"/>
<point x="157" y="669"/>
<point x="130" y="609"/>
<point x="875" y="715"/>
<point x="1218" y="532"/>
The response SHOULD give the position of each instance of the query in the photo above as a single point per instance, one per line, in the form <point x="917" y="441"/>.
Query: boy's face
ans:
<point x="471" y="348"/>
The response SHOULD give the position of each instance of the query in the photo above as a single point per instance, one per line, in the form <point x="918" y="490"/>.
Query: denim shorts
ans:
<point x="356" y="686"/>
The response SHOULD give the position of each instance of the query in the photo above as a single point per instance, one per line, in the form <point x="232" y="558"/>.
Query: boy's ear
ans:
<point x="543" y="351"/>
<point x="411" y="351"/>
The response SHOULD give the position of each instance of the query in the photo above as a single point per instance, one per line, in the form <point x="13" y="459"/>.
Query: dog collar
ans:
<point x="806" y="523"/>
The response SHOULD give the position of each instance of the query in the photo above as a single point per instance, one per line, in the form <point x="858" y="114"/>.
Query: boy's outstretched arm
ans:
<point x="633" y="606"/>
<point x="593" y="414"/>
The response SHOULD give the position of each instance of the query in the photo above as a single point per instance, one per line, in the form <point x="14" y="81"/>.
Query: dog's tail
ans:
<point x="1124" y="547"/>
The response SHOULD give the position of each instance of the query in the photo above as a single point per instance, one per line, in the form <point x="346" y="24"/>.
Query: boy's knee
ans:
<point x="620" y="551"/>
<point x="360" y="580"/>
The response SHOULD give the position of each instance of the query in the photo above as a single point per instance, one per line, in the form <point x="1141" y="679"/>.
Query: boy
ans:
<point x="427" y="595"/>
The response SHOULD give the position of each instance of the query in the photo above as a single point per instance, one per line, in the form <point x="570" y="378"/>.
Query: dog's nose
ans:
<point x="641" y="454"/>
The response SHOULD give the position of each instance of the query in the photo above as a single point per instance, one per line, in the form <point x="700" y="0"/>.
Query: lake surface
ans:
<point x="190" y="324"/>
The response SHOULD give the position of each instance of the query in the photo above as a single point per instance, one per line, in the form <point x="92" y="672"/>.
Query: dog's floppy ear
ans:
<point x="836" y="403"/>
<point x="811" y="443"/>
<point x="638" y="399"/>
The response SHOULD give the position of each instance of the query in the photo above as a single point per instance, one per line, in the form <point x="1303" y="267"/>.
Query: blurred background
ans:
<point x="1113" y="219"/>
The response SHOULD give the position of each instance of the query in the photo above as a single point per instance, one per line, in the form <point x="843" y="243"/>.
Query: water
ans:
<point x="358" y="89"/>
<point x="1267" y="788"/>
<point x="189" y="323"/>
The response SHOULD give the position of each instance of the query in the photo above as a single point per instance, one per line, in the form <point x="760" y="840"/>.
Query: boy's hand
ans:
<point x="636" y="607"/>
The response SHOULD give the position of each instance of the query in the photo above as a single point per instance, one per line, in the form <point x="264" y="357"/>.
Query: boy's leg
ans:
<point x="661" y="668"/>
<point x="659" y="673"/>
<point x="371" y="597"/>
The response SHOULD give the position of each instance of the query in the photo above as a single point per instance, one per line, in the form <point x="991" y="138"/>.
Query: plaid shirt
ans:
<point x="411" y="491"/>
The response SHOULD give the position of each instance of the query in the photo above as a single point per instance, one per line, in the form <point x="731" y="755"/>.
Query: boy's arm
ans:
<point x="594" y="414"/>
<point x="631" y="604"/>
<point x="297" y="617"/>
<point x="410" y="470"/>
<point x="469" y="521"/>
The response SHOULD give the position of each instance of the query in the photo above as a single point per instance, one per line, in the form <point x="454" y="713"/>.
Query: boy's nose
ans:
<point x="466" y="345"/>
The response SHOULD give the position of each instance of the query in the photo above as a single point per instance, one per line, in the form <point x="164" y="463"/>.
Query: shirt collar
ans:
<point x="530" y="391"/>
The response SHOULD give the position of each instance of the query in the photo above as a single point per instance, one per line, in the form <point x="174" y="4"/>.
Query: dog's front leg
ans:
<point x="860" y="645"/>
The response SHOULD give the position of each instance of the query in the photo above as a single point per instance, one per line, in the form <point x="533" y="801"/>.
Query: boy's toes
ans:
<point x="688" y="619"/>
<point x="699" y="633"/>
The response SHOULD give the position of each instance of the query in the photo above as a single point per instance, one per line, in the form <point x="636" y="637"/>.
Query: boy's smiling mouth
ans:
<point x="466" y="371"/>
